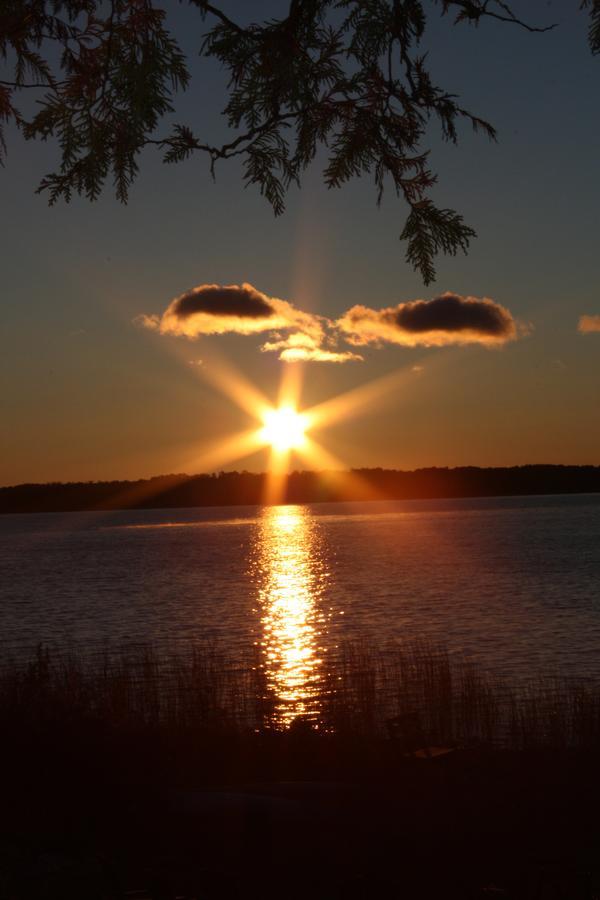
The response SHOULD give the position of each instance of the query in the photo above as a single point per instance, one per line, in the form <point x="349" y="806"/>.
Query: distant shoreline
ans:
<point x="250" y="489"/>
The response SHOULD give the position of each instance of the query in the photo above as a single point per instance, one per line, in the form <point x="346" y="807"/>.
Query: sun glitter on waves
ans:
<point x="284" y="428"/>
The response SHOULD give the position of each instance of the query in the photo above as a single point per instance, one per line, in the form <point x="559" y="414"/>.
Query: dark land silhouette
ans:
<point x="248" y="488"/>
<point x="140" y="775"/>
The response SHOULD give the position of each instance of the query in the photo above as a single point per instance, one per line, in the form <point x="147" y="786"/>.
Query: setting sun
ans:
<point x="284" y="428"/>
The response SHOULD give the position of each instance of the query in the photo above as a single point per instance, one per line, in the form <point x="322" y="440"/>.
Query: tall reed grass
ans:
<point x="415" y="696"/>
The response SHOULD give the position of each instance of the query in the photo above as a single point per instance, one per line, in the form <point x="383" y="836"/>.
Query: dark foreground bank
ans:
<point x="151" y="775"/>
<point x="248" y="488"/>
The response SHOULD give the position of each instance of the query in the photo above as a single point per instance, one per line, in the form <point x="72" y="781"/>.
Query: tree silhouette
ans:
<point x="346" y="75"/>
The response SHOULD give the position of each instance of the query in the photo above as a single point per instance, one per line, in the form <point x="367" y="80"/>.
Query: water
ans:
<point x="512" y="582"/>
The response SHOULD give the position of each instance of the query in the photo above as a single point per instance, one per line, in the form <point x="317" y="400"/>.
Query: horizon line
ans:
<point x="258" y="474"/>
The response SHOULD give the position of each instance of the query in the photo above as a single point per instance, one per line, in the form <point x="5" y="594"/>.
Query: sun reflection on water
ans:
<point x="291" y="573"/>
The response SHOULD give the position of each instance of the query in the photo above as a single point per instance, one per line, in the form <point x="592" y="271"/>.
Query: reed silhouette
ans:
<point x="416" y="691"/>
<point x="165" y="772"/>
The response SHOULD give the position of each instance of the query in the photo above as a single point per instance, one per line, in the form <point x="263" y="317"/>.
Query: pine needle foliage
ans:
<point x="344" y="77"/>
<point x="594" y="28"/>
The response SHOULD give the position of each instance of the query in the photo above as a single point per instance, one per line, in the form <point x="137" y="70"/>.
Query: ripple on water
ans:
<point x="512" y="582"/>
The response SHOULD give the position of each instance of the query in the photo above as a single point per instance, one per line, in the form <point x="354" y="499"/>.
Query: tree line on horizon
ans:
<point x="249" y="488"/>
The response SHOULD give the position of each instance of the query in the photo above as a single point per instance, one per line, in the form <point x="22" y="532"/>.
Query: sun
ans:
<point x="284" y="428"/>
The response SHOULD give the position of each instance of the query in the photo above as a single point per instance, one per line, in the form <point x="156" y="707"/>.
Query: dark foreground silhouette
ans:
<point x="145" y="775"/>
<point x="240" y="488"/>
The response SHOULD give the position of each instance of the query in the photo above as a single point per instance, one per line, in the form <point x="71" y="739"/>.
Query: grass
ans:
<point x="406" y="694"/>
<point x="104" y="755"/>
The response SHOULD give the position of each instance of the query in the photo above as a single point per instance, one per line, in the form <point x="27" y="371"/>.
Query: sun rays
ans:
<point x="282" y="427"/>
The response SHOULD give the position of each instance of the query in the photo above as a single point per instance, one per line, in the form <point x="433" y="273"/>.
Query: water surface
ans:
<point x="511" y="582"/>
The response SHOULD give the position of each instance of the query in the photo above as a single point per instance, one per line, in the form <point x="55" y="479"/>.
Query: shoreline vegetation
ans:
<point x="154" y="773"/>
<point x="300" y="487"/>
<point x="417" y="695"/>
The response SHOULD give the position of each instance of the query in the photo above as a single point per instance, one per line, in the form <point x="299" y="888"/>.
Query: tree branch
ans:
<point x="475" y="9"/>
<point x="208" y="7"/>
<point x="515" y="21"/>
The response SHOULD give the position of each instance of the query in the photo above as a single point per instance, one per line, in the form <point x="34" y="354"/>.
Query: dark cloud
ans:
<point x="447" y="319"/>
<point x="451" y="313"/>
<point x="300" y="336"/>
<point x="243" y="302"/>
<point x="232" y="308"/>
<point x="241" y="309"/>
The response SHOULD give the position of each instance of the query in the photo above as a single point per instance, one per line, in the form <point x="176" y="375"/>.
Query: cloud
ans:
<point x="301" y="347"/>
<point x="447" y="319"/>
<point x="298" y="336"/>
<point x="588" y="324"/>
<point x="318" y="354"/>
<point x="151" y="322"/>
<point x="242" y="309"/>
<point x="229" y="309"/>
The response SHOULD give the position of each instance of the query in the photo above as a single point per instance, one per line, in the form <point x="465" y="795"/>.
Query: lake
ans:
<point x="513" y="583"/>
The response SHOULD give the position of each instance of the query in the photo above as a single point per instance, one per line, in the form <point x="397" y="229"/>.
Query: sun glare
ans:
<point x="284" y="428"/>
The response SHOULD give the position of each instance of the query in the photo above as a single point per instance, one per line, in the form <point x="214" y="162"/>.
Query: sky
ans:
<point x="89" y="393"/>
